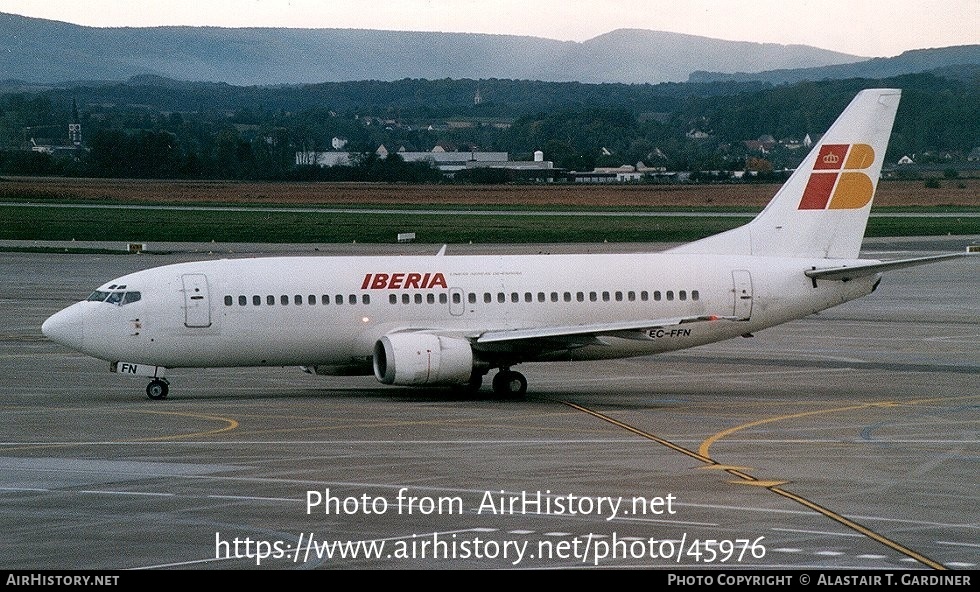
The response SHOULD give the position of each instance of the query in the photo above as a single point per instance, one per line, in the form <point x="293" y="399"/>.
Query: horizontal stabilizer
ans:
<point x="850" y="272"/>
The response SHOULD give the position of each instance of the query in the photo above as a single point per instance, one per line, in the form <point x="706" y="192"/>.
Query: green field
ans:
<point x="142" y="225"/>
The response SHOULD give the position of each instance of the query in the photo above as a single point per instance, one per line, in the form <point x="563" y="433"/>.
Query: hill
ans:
<point x="946" y="60"/>
<point x="45" y="51"/>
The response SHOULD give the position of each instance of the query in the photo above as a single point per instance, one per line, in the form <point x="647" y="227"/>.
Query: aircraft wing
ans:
<point x="850" y="272"/>
<point x="587" y="334"/>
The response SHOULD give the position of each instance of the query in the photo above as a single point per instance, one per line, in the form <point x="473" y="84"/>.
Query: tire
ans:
<point x="508" y="383"/>
<point x="157" y="390"/>
<point x="476" y="381"/>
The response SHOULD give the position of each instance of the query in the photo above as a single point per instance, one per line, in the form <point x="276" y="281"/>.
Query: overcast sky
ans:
<point x="870" y="28"/>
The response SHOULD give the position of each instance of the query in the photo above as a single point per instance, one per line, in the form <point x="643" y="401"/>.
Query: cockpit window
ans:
<point x="120" y="298"/>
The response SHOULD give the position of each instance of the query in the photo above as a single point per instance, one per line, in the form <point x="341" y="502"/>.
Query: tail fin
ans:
<point x="822" y="209"/>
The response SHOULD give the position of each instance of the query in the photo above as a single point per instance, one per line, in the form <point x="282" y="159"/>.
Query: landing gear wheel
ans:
<point x="476" y="381"/>
<point x="472" y="386"/>
<point x="157" y="389"/>
<point x="508" y="383"/>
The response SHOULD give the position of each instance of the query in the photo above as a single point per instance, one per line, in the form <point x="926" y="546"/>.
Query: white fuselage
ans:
<point x="330" y="311"/>
<point x="447" y="320"/>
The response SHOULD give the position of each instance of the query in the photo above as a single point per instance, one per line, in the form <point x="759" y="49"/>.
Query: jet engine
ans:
<point x="422" y="359"/>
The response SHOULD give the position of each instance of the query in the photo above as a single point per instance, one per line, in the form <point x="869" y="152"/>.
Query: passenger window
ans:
<point x="580" y="296"/>
<point x="644" y="296"/>
<point x="554" y="296"/>
<point x="406" y="299"/>
<point x="270" y="300"/>
<point x="298" y="300"/>
<point x="695" y="295"/>
<point x="515" y="297"/>
<point x="256" y="300"/>
<point x="418" y="299"/>
<point x="284" y="299"/>
<point x="338" y="299"/>
<point x="528" y="297"/>
<point x="242" y="300"/>
<point x="393" y="298"/>
<point x="670" y="294"/>
<point x="457" y="298"/>
<point x="311" y="300"/>
<point x="366" y="299"/>
<point x="619" y="296"/>
<point x="567" y="296"/>
<point x="430" y="298"/>
<point x="593" y="297"/>
<point x="228" y="299"/>
<point x="682" y="295"/>
<point x="541" y="297"/>
<point x="444" y="299"/>
<point x="352" y="299"/>
<point x="605" y="296"/>
<point x="656" y="295"/>
<point x="487" y="298"/>
<point x="501" y="297"/>
<point x="471" y="297"/>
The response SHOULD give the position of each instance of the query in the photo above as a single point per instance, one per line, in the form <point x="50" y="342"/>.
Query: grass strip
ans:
<point x="86" y="224"/>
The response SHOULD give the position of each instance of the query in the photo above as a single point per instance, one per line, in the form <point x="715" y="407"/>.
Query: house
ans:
<point x="641" y="167"/>
<point x="764" y="144"/>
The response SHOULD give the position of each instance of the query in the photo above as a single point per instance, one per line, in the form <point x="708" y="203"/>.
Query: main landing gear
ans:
<point x="509" y="383"/>
<point x="158" y="389"/>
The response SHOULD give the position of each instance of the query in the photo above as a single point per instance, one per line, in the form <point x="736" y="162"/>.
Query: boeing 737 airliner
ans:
<point x="446" y="320"/>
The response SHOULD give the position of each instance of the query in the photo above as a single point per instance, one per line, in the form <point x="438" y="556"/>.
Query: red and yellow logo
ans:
<point x="835" y="183"/>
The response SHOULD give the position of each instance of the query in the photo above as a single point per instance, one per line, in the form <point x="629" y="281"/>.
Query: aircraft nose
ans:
<point x="66" y="327"/>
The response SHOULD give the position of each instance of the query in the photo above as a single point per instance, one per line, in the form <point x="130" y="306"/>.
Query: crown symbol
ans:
<point x="831" y="159"/>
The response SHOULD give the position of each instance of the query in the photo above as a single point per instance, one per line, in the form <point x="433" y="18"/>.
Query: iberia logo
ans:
<point x="403" y="281"/>
<point x="835" y="183"/>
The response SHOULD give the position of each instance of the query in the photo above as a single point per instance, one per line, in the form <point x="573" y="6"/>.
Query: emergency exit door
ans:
<point x="742" y="292"/>
<point x="197" y="301"/>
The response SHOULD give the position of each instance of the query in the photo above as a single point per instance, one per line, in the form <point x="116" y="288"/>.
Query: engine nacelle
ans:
<point x="422" y="359"/>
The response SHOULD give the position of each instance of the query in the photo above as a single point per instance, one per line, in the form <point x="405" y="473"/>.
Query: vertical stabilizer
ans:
<point x="822" y="209"/>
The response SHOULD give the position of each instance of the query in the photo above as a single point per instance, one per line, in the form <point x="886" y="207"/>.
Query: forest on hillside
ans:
<point x="151" y="127"/>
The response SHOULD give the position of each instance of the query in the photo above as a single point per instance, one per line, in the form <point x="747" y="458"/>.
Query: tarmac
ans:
<point x="845" y="440"/>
